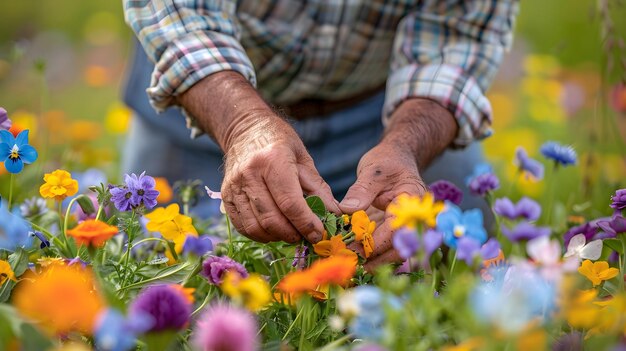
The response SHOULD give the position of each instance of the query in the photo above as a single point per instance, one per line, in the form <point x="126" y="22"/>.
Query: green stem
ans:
<point x="230" y="237"/>
<point x="11" y="180"/>
<point x="99" y="211"/>
<point x="66" y="221"/>
<point x="207" y="298"/>
<point x="453" y="264"/>
<point x="160" y="277"/>
<point x="293" y="323"/>
<point x="552" y="192"/>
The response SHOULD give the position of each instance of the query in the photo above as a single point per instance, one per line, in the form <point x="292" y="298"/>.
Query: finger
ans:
<point x="391" y="256"/>
<point x="287" y="193"/>
<point x="313" y="184"/>
<point x="231" y="209"/>
<point x="383" y="238"/>
<point x="269" y="215"/>
<point x="362" y="193"/>
<point x="250" y="225"/>
<point x="408" y="185"/>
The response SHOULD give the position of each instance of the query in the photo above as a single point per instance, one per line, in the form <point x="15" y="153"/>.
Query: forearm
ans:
<point x="227" y="107"/>
<point x="421" y="127"/>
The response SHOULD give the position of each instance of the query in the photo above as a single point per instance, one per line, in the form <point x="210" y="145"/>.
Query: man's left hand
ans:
<point x="418" y="131"/>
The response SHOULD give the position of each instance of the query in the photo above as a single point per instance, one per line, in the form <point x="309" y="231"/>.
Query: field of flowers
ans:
<point x="94" y="259"/>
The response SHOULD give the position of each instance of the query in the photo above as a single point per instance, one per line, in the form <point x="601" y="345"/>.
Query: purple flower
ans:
<point x="614" y="226"/>
<point x="166" y="306"/>
<point x="483" y="184"/>
<point x="121" y="197"/>
<point x="468" y="249"/>
<point x="444" y="190"/>
<point x="527" y="165"/>
<point x="226" y="328"/>
<point x="197" y="245"/>
<point x="525" y="208"/>
<point x="406" y="242"/>
<point x="618" y="201"/>
<point x="44" y="242"/>
<point x="432" y="240"/>
<point x="299" y="257"/>
<point x="5" y="122"/>
<point x="561" y="154"/>
<point x="214" y="268"/>
<point x="524" y="231"/>
<point x="591" y="230"/>
<point x="142" y="188"/>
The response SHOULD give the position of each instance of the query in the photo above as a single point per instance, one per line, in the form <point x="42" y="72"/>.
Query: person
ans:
<point x="313" y="97"/>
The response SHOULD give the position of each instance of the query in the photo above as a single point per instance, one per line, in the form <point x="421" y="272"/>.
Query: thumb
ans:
<point x="360" y="195"/>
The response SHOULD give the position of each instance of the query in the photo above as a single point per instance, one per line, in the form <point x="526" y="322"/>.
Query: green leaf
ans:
<point x="19" y="261"/>
<point x="614" y="244"/>
<point x="317" y="205"/>
<point x="86" y="204"/>
<point x="330" y="223"/>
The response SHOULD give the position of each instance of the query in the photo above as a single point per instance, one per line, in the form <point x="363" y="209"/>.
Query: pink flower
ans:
<point x="226" y="328"/>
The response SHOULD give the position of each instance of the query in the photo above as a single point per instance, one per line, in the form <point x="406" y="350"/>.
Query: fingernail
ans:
<point x="351" y="202"/>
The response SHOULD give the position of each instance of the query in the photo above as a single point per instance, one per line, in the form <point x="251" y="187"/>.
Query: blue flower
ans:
<point x="370" y="302"/>
<point x="15" y="152"/>
<point x="197" y="245"/>
<point x="14" y="231"/>
<point x="115" y="333"/>
<point x="455" y="224"/>
<point x="561" y="154"/>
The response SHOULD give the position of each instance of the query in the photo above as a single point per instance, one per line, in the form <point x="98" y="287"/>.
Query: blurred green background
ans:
<point x="555" y="84"/>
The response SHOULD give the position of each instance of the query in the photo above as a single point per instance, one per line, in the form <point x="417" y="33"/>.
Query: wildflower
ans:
<point x="483" y="184"/>
<point x="444" y="190"/>
<point x="300" y="255"/>
<point x="15" y="151"/>
<point x="363" y="229"/>
<point x="226" y="328"/>
<point x="524" y="231"/>
<point x="479" y="169"/>
<point x="215" y="267"/>
<point x="406" y="242"/>
<point x="167" y="307"/>
<point x="252" y="291"/>
<point x="92" y="233"/>
<point x="60" y="298"/>
<point x="197" y="245"/>
<point x="530" y="167"/>
<point x="364" y="307"/>
<point x="597" y="272"/>
<point x="432" y="240"/>
<point x="409" y="210"/>
<point x="524" y="208"/>
<point x="35" y="206"/>
<point x="44" y="242"/>
<point x="13" y="230"/>
<point x="589" y="229"/>
<point x="6" y="272"/>
<point x="58" y="185"/>
<point x="616" y="225"/>
<point x="114" y="332"/>
<point x="561" y="154"/>
<point x="165" y="190"/>
<point x="160" y="216"/>
<point x="336" y="270"/>
<point x="179" y="227"/>
<point x="121" y="197"/>
<point x="49" y="261"/>
<point x="579" y="248"/>
<point x="137" y="191"/>
<point x="546" y="255"/>
<point x="618" y="201"/>
<point x="5" y="122"/>
<point x="468" y="249"/>
<point x="216" y="195"/>
<point x="333" y="247"/>
<point x="455" y="224"/>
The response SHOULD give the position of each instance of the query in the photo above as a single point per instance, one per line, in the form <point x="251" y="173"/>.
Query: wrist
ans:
<point x="421" y="128"/>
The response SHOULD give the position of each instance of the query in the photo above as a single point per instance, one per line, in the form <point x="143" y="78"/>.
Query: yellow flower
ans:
<point x="597" y="272"/>
<point x="117" y="118"/>
<point x="363" y="228"/>
<point x="535" y="340"/>
<point x="334" y="246"/>
<point x="160" y="216"/>
<point x="48" y="261"/>
<point x="179" y="227"/>
<point x="409" y="210"/>
<point x="6" y="272"/>
<point x="346" y="219"/>
<point x="165" y="190"/>
<point x="252" y="292"/>
<point x="60" y="298"/>
<point x="58" y="185"/>
<point x="578" y="308"/>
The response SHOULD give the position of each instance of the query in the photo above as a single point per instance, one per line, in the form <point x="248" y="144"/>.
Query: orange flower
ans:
<point x="92" y="233"/>
<point x="333" y="247"/>
<point x="363" y="228"/>
<point x="186" y="292"/>
<point x="336" y="270"/>
<point x="165" y="190"/>
<point x="58" y="185"/>
<point x="597" y="272"/>
<point x="60" y="298"/>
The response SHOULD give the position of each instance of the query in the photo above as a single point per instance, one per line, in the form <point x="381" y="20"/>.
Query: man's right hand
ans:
<point x="267" y="168"/>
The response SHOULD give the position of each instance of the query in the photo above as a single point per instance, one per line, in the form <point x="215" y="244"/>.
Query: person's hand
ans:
<point x="418" y="131"/>
<point x="267" y="168"/>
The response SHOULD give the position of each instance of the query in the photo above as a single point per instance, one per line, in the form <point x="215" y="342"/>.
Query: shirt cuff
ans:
<point x="452" y="88"/>
<point x="192" y="57"/>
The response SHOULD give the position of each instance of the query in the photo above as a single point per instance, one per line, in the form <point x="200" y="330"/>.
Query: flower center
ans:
<point x="15" y="152"/>
<point x="140" y="192"/>
<point x="128" y="195"/>
<point x="459" y="231"/>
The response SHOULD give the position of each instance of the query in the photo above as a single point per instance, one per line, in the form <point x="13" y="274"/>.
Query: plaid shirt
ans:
<point x="448" y="51"/>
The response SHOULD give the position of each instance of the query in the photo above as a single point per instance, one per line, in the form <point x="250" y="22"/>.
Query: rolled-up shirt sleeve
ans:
<point x="449" y="51"/>
<point x="187" y="41"/>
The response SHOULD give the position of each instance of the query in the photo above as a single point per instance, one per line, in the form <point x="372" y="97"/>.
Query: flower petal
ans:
<point x="7" y="137"/>
<point x="592" y="251"/>
<point x="28" y="154"/>
<point x="14" y="165"/>
<point x="5" y="151"/>
<point x="22" y="138"/>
